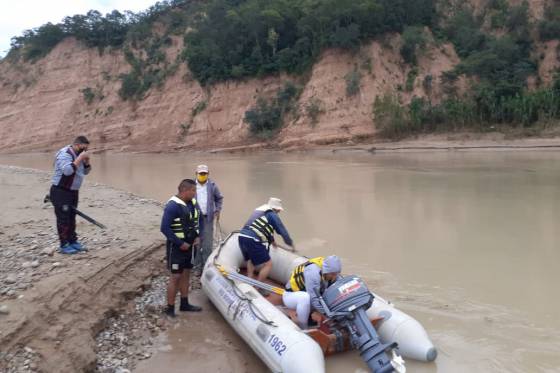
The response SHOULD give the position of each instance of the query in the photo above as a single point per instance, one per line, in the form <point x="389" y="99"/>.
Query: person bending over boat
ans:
<point x="258" y="232"/>
<point x="307" y="282"/>
<point x="181" y="225"/>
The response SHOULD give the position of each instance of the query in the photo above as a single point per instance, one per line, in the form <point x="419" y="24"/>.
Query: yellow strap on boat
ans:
<point x="242" y="278"/>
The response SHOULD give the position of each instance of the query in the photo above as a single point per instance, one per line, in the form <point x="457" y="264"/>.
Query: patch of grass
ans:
<point x="199" y="108"/>
<point x="413" y="39"/>
<point x="89" y="95"/>
<point x="185" y="126"/>
<point x="411" y="78"/>
<point x="353" y="81"/>
<point x="266" y="117"/>
<point x="314" y="109"/>
<point x="427" y="83"/>
<point x="530" y="109"/>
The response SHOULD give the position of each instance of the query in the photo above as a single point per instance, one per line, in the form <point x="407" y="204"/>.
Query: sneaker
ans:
<point x="78" y="246"/>
<point x="67" y="249"/>
<point x="190" y="308"/>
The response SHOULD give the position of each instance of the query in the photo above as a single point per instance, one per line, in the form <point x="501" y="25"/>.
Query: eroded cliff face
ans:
<point x="42" y="105"/>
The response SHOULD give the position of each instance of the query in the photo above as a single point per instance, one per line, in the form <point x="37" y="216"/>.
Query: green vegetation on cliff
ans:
<point x="237" y="39"/>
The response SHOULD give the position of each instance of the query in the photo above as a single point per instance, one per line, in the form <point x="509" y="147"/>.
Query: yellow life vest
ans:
<point x="297" y="281"/>
<point x="187" y="223"/>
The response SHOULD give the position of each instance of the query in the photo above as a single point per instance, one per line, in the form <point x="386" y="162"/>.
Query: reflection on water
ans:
<point x="467" y="243"/>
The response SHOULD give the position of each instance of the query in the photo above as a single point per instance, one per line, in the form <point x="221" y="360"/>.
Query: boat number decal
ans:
<point x="277" y="344"/>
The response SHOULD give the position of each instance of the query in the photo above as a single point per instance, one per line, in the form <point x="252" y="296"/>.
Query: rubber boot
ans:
<point x="170" y="311"/>
<point x="186" y="307"/>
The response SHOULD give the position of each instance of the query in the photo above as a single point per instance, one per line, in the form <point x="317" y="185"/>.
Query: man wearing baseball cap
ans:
<point x="258" y="232"/>
<point x="210" y="202"/>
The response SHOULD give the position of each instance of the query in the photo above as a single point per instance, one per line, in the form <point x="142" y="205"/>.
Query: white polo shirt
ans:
<point x="202" y="196"/>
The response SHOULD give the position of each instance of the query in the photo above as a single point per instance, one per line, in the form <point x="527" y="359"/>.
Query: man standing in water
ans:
<point x="210" y="201"/>
<point x="70" y="167"/>
<point x="181" y="226"/>
<point x="258" y="231"/>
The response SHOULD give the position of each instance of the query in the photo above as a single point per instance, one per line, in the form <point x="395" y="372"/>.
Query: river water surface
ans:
<point x="467" y="243"/>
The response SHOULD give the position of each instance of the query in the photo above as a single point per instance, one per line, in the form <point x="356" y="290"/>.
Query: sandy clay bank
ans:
<point x="94" y="311"/>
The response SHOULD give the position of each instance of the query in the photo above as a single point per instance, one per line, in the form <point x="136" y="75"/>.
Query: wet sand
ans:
<point x="201" y="343"/>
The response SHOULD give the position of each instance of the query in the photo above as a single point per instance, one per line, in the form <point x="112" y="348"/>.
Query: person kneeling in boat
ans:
<point x="258" y="231"/>
<point x="307" y="282"/>
<point x="181" y="225"/>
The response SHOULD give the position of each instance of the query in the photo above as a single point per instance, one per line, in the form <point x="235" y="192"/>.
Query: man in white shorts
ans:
<point x="307" y="282"/>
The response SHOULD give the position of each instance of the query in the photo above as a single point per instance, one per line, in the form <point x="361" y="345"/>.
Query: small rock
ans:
<point x="152" y="308"/>
<point x="11" y="279"/>
<point x="4" y="310"/>
<point x="48" y="251"/>
<point x="35" y="264"/>
<point x="33" y="366"/>
<point x="29" y="350"/>
<point x="56" y="264"/>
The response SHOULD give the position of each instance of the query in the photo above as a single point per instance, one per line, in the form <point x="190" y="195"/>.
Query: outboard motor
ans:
<point x="346" y="302"/>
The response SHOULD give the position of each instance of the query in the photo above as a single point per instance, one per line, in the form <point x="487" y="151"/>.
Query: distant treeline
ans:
<point x="95" y="30"/>
<point x="255" y="37"/>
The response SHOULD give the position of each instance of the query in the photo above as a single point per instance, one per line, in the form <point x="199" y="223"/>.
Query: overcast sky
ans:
<point x="19" y="15"/>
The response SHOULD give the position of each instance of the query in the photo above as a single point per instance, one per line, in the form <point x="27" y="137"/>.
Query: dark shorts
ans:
<point x="254" y="251"/>
<point x="178" y="260"/>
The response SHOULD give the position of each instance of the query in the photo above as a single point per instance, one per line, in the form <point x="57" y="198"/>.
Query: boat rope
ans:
<point x="238" y="292"/>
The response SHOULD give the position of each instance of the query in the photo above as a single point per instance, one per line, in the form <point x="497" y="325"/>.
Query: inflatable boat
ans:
<point x="266" y="326"/>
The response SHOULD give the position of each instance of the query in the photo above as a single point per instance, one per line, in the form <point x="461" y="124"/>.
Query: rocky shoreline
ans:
<point x="52" y="306"/>
<point x="99" y="310"/>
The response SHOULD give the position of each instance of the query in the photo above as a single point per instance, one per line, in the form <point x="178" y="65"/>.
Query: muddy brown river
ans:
<point x="467" y="243"/>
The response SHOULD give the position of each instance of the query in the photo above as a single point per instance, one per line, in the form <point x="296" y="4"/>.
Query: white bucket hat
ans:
<point x="273" y="204"/>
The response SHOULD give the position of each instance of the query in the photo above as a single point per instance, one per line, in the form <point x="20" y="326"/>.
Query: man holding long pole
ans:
<point x="71" y="165"/>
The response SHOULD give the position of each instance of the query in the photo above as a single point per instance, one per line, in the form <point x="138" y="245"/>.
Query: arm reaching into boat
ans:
<point x="317" y="279"/>
<point x="312" y="276"/>
<point x="279" y="227"/>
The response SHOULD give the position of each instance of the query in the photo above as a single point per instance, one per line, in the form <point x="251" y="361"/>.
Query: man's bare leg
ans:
<point x="172" y="288"/>
<point x="184" y="283"/>
<point x="264" y="271"/>
<point x="184" y="289"/>
<point x="250" y="269"/>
